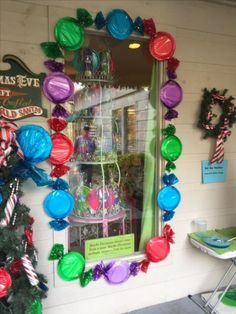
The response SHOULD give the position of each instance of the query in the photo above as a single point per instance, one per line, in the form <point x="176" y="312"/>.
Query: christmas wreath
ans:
<point x="226" y="119"/>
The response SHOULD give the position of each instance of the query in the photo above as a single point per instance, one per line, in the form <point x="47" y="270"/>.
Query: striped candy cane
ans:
<point x="9" y="208"/>
<point x="30" y="271"/>
<point x="219" y="151"/>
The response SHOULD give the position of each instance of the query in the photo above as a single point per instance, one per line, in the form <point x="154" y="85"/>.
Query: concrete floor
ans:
<point x="181" y="306"/>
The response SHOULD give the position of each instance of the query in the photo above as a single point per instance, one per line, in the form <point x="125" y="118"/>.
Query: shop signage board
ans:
<point x="20" y="91"/>
<point x="214" y="173"/>
<point x="106" y="248"/>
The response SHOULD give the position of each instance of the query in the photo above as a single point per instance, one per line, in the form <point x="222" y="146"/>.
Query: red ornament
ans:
<point x="30" y="220"/>
<point x="62" y="149"/>
<point x="59" y="171"/>
<point x="57" y="124"/>
<point x="16" y="266"/>
<point x="29" y="236"/>
<point x="149" y="27"/>
<point x="5" y="282"/>
<point x="158" y="248"/>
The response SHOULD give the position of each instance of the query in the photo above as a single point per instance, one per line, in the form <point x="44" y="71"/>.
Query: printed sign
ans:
<point x="213" y="173"/>
<point x="20" y="91"/>
<point x="106" y="248"/>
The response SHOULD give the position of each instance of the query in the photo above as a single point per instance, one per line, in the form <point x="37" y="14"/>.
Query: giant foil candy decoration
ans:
<point x="59" y="88"/>
<point x="70" y="265"/>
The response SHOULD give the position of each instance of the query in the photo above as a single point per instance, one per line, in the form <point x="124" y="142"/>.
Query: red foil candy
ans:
<point x="59" y="171"/>
<point x="57" y="124"/>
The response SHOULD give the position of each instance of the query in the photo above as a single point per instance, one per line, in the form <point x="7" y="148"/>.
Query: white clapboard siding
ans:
<point x="206" y="46"/>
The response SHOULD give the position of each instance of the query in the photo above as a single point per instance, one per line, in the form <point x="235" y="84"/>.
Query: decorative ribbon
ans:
<point x="221" y="138"/>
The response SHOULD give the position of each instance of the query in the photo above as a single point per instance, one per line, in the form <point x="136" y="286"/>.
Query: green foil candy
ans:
<point x="84" y="18"/>
<point x="51" y="50"/>
<point x="57" y="252"/>
<point x="86" y="278"/>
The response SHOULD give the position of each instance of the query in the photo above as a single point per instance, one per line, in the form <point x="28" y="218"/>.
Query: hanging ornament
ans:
<point x="30" y="271"/>
<point x="16" y="266"/>
<point x="5" y="282"/>
<point x="7" y="139"/>
<point x="10" y="205"/>
<point x="29" y="236"/>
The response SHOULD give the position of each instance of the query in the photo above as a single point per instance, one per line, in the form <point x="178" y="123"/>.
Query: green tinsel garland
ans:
<point x="211" y="98"/>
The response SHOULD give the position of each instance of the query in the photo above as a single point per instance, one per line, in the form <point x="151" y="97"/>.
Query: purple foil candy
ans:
<point x="54" y="66"/>
<point x="171" y="114"/>
<point x="100" y="270"/>
<point x="171" y="75"/>
<point x="171" y="94"/>
<point x="118" y="273"/>
<point x="58" y="87"/>
<point x="134" y="268"/>
<point x="59" y="111"/>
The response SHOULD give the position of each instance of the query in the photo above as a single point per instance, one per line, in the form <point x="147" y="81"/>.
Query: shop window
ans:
<point x="113" y="125"/>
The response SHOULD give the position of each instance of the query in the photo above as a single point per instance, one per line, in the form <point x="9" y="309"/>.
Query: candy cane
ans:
<point x="10" y="205"/>
<point x="29" y="269"/>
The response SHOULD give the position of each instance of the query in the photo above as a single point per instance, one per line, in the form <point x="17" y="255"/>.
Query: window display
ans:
<point x="110" y="128"/>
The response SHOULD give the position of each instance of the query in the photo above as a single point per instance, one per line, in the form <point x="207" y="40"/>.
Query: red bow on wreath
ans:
<point x="219" y="150"/>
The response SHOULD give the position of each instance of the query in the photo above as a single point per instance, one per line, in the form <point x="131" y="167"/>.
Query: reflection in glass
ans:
<point x="112" y="173"/>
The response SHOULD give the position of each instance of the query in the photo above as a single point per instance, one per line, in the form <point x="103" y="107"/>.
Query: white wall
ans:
<point x="206" y="45"/>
